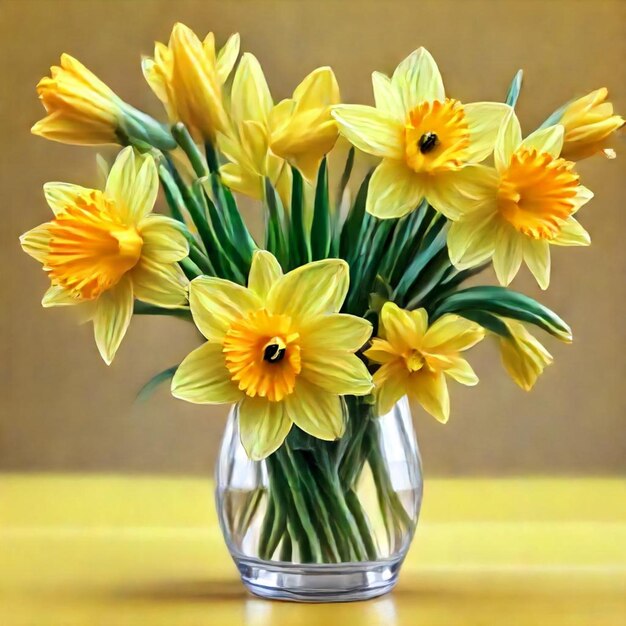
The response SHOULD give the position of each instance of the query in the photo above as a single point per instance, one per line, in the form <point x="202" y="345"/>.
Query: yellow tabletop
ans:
<point x="121" y="551"/>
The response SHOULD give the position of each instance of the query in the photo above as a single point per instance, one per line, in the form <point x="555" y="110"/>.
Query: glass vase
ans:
<point x="321" y="521"/>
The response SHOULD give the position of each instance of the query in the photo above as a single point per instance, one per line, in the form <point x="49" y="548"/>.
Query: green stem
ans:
<point x="185" y="141"/>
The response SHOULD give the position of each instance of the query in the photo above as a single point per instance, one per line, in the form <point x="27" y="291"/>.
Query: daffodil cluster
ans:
<point x="355" y="294"/>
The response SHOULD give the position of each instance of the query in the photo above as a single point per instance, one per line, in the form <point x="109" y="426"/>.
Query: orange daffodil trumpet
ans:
<point x="105" y="248"/>
<point x="415" y="358"/>
<point x="83" y="110"/>
<point x="430" y="144"/>
<point x="188" y="76"/>
<point x="280" y="348"/>
<point x="526" y="204"/>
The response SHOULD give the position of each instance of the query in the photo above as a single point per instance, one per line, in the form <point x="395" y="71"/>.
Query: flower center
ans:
<point x="90" y="248"/>
<point x="414" y="361"/>
<point x="536" y="193"/>
<point x="262" y="354"/>
<point x="436" y="137"/>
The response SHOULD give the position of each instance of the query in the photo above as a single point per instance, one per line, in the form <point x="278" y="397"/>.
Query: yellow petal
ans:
<point x="394" y="190"/>
<point x="452" y="333"/>
<point x="202" y="378"/>
<point x="250" y="95"/>
<point x="61" y="195"/>
<point x="336" y="372"/>
<point x="583" y="195"/>
<point x="537" y="257"/>
<point x="216" y="303"/>
<point x="243" y="180"/>
<point x="337" y="332"/>
<point x="163" y="240"/>
<point x="431" y="391"/>
<point x="36" y="242"/>
<point x="370" y="130"/>
<point x="114" y="310"/>
<point x="387" y="98"/>
<point x="507" y="256"/>
<point x="459" y="192"/>
<point x="318" y="89"/>
<point x="400" y="328"/>
<point x="572" y="234"/>
<point x="263" y="426"/>
<point x="484" y="120"/>
<point x="471" y="241"/>
<point x="265" y="271"/>
<point x="461" y="371"/>
<point x="316" y="411"/>
<point x="381" y="351"/>
<point x="227" y="57"/>
<point x="133" y="184"/>
<point x="548" y="140"/>
<point x="417" y="79"/>
<point x="392" y="383"/>
<point x="508" y="140"/>
<point x="313" y="289"/>
<point x="161" y="284"/>
<point x="58" y="296"/>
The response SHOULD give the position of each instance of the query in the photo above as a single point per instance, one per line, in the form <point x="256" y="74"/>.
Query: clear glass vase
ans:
<point x="322" y="521"/>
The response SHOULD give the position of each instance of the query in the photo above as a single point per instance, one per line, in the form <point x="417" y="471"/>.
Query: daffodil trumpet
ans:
<point x="345" y="304"/>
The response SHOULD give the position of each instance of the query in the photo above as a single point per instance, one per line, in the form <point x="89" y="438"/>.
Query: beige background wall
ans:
<point x="61" y="408"/>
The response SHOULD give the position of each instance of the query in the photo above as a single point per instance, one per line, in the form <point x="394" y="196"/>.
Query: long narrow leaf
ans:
<point x="352" y="225"/>
<point x="320" y="229"/>
<point x="156" y="381"/>
<point x="298" y="241"/>
<point x="275" y="238"/>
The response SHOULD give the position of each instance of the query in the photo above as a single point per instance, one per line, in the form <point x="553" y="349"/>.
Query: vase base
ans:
<point x="336" y="582"/>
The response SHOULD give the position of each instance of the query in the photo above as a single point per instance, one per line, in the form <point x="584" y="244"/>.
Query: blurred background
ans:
<point x="63" y="409"/>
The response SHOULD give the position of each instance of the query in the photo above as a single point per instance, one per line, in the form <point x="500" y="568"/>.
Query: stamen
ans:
<point x="427" y="142"/>
<point x="274" y="350"/>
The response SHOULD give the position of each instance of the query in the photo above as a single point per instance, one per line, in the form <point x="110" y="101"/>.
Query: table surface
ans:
<point x="121" y="550"/>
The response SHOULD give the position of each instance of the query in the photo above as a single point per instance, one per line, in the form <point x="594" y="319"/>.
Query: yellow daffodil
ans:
<point x="527" y="205"/>
<point x="83" y="110"/>
<point x="589" y="123"/>
<point x="246" y="146"/>
<point x="429" y="144"/>
<point x="302" y="129"/>
<point x="415" y="358"/>
<point x="279" y="348"/>
<point x="102" y="249"/>
<point x="523" y="356"/>
<point x="187" y="76"/>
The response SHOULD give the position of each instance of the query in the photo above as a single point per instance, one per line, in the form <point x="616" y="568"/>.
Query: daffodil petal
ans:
<point x="163" y="239"/>
<point x="336" y="372"/>
<point x="250" y="97"/>
<point x="381" y="351"/>
<point x="263" y="426"/>
<point x="508" y="140"/>
<point x="431" y="391"/>
<point x="227" y="57"/>
<point x="216" y="303"/>
<point x="318" y="89"/>
<point x="452" y="333"/>
<point x="417" y="79"/>
<point x="471" y="241"/>
<point x="507" y="256"/>
<point x="335" y="332"/>
<point x="572" y="234"/>
<point x="583" y="195"/>
<point x="36" y="242"/>
<point x="387" y="98"/>
<point x="133" y="184"/>
<point x="315" y="411"/>
<point x="202" y="377"/>
<point x="537" y="257"/>
<point x="112" y="316"/>
<point x="61" y="195"/>
<point x="58" y="296"/>
<point x="313" y="289"/>
<point x="548" y="140"/>
<point x="370" y="130"/>
<point x="461" y="371"/>
<point x="265" y="271"/>
<point x="484" y="120"/>
<point x="394" y="190"/>
<point x="161" y="284"/>
<point x="242" y="179"/>
<point x="399" y="328"/>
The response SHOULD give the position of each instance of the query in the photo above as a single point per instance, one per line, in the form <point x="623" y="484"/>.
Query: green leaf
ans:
<point x="150" y="387"/>
<point x="143" y="308"/>
<point x="275" y="240"/>
<point x="506" y="303"/>
<point x="488" y="321"/>
<point x="298" y="243"/>
<point x="514" y="90"/>
<point x="350" y="233"/>
<point x="320" y="229"/>
<point x="429" y="279"/>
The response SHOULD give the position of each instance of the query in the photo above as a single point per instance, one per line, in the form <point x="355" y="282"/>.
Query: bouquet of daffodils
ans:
<point x="355" y="295"/>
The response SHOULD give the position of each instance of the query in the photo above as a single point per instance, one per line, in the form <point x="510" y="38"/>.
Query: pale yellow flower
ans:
<point x="523" y="356"/>
<point x="105" y="248"/>
<point x="246" y="146"/>
<point x="188" y="77"/>
<point x="279" y="348"/>
<point x="589" y="123"/>
<point x="526" y="204"/>
<point x="302" y="129"/>
<point x="415" y="358"/>
<point x="83" y="110"/>
<point x="430" y="145"/>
